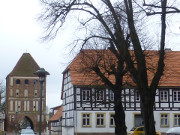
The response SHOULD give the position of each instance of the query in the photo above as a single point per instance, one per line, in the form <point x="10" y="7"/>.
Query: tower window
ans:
<point x="18" y="81"/>
<point x="35" y="93"/>
<point x="26" y="81"/>
<point x="25" y="93"/>
<point x="35" y="82"/>
<point x="17" y="93"/>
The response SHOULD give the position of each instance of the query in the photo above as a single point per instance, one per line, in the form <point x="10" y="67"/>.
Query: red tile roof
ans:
<point x="57" y="115"/>
<point x="81" y="75"/>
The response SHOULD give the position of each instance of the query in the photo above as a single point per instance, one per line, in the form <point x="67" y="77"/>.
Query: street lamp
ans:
<point x="42" y="75"/>
<point x="16" y="125"/>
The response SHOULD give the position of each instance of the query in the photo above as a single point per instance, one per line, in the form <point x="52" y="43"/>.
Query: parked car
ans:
<point x="27" y="131"/>
<point x="139" y="131"/>
<point x="173" y="131"/>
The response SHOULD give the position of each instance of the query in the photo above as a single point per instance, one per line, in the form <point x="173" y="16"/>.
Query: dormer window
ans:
<point x="26" y="81"/>
<point x="18" y="81"/>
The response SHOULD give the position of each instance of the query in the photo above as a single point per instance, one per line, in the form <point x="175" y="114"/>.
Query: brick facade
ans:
<point x="23" y="96"/>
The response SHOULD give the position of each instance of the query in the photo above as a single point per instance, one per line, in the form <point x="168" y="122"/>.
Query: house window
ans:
<point x="176" y="96"/>
<point x="164" y="96"/>
<point x="100" y="95"/>
<point x="112" y="122"/>
<point x="111" y="95"/>
<point x="26" y="81"/>
<point x="18" y="81"/>
<point x="86" y="119"/>
<point x="164" y="120"/>
<point x="177" y="120"/>
<point x="100" y="120"/>
<point x="85" y="95"/>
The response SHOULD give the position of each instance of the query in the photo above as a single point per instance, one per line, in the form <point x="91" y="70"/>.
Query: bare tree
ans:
<point x="113" y="26"/>
<point x="140" y="75"/>
<point x="2" y="96"/>
<point x="110" y="71"/>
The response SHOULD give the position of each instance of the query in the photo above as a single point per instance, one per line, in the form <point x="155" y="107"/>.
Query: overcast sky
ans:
<point x="19" y="33"/>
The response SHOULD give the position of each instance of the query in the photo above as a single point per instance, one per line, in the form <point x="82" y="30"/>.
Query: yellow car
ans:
<point x="139" y="131"/>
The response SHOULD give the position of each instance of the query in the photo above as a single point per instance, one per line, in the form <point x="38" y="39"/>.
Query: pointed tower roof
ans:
<point x="26" y="66"/>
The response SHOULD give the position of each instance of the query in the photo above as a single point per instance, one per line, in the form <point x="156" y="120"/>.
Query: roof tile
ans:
<point x="57" y="115"/>
<point x="81" y="75"/>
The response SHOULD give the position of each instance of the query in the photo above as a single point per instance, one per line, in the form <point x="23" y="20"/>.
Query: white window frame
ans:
<point x="176" y="96"/>
<point x="177" y="120"/>
<point x="99" y="95"/>
<point x="111" y="95"/>
<point x="86" y="95"/>
<point x="163" y="95"/>
<point x="86" y="119"/>
<point x="111" y="120"/>
<point x="100" y="119"/>
<point x="164" y="120"/>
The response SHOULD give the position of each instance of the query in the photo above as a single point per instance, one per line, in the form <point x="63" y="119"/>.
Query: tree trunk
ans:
<point x="148" y="115"/>
<point x="119" y="117"/>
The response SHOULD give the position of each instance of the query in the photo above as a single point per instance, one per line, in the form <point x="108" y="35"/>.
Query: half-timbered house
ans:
<point x="88" y="103"/>
<point x="55" y="127"/>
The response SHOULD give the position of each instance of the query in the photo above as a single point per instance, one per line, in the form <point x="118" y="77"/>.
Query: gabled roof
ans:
<point x="56" y="107"/>
<point x="26" y="66"/>
<point x="57" y="115"/>
<point x="81" y="76"/>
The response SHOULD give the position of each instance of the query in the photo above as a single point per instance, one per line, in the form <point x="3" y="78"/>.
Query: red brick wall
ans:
<point x="32" y="115"/>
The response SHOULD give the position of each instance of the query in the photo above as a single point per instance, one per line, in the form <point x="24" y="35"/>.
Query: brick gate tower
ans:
<point x="23" y="96"/>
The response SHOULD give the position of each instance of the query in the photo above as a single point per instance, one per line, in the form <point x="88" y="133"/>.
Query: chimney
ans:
<point x="168" y="49"/>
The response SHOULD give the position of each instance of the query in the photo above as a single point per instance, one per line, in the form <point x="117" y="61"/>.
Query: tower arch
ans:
<point x="26" y="122"/>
